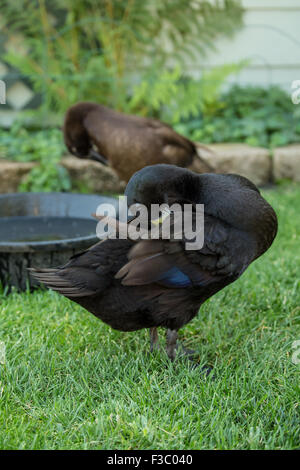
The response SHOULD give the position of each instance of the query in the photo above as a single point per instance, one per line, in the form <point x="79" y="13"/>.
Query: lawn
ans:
<point x="68" y="381"/>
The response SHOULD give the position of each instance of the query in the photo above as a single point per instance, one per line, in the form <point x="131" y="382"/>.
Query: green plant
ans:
<point x="93" y="49"/>
<point x="44" y="147"/>
<point x="173" y="97"/>
<point x="47" y="177"/>
<point x="253" y="115"/>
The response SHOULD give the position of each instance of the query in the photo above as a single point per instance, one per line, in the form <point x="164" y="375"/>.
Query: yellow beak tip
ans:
<point x="157" y="221"/>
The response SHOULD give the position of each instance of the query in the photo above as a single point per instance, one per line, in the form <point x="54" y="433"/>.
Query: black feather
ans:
<point x="132" y="285"/>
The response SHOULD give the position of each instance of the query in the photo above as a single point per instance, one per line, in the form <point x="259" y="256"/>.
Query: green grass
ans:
<point x="71" y="382"/>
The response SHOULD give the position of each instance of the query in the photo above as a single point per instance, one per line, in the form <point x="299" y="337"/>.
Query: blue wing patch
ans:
<point x="175" y="278"/>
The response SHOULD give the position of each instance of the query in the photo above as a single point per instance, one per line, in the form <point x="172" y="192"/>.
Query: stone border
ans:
<point x="95" y="177"/>
<point x="258" y="164"/>
<point x="286" y="163"/>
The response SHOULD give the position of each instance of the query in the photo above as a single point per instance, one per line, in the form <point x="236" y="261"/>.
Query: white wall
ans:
<point x="270" y="39"/>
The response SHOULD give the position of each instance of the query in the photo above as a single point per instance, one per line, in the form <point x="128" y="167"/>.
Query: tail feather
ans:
<point x="52" y="279"/>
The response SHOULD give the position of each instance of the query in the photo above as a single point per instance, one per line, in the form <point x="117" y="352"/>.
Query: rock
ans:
<point x="96" y="177"/>
<point x="200" y="165"/>
<point x="12" y="174"/>
<point x="252" y="162"/>
<point x="286" y="162"/>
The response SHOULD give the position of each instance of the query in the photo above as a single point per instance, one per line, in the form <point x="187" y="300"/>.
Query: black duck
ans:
<point x="158" y="283"/>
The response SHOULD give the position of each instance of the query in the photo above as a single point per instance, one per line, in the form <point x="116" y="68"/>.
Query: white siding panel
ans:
<point x="271" y="4"/>
<point x="270" y="40"/>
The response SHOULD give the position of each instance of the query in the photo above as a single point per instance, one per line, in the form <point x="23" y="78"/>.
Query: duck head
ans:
<point x="158" y="184"/>
<point x="76" y="137"/>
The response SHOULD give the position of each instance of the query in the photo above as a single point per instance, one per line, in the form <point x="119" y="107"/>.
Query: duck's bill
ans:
<point x="165" y="213"/>
<point x="94" y="155"/>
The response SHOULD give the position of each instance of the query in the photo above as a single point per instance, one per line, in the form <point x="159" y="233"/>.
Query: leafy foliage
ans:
<point x="253" y="115"/>
<point x="45" y="147"/>
<point x="103" y="51"/>
<point x="93" y="50"/>
<point x="173" y="97"/>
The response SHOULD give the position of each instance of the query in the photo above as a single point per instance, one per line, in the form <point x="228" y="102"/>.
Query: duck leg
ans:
<point x="153" y="339"/>
<point x="174" y="347"/>
<point x="171" y="343"/>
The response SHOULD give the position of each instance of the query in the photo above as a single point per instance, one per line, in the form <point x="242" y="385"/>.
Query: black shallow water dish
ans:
<point x="44" y="229"/>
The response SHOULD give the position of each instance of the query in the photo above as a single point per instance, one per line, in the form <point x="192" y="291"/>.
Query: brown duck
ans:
<point x="149" y="283"/>
<point x="126" y="142"/>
